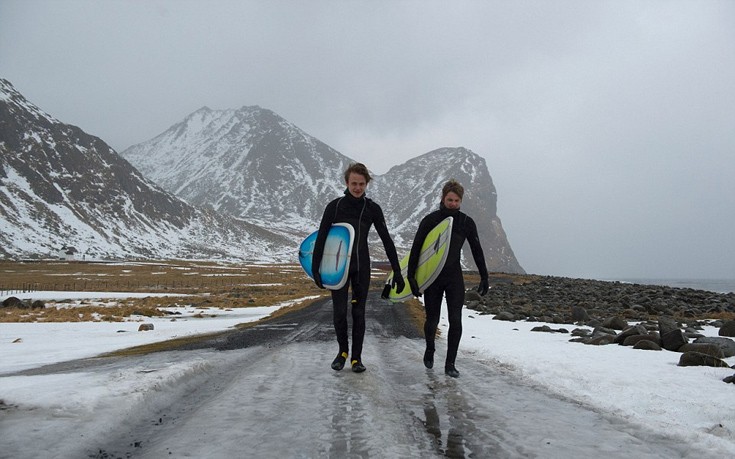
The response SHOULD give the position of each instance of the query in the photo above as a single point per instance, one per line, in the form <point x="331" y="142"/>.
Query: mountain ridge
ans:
<point x="273" y="174"/>
<point x="238" y="184"/>
<point x="60" y="186"/>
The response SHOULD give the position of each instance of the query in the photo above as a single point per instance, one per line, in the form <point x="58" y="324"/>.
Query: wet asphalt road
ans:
<point x="269" y="392"/>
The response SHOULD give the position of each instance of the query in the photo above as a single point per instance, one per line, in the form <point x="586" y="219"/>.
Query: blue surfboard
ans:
<point x="335" y="263"/>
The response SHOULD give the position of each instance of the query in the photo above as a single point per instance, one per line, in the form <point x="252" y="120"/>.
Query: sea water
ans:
<point x="712" y="285"/>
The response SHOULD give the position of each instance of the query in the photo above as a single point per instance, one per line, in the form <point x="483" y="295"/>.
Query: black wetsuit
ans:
<point x="361" y="213"/>
<point x="450" y="279"/>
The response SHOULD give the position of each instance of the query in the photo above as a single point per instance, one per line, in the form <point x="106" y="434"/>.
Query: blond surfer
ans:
<point x="357" y="210"/>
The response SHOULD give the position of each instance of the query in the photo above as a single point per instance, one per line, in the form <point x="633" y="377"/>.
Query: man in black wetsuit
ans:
<point x="360" y="212"/>
<point x="450" y="280"/>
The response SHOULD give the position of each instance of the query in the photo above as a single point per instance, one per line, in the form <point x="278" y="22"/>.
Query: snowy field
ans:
<point x="642" y="387"/>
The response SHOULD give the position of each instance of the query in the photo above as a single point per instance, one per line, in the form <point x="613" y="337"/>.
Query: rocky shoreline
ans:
<point x="646" y="317"/>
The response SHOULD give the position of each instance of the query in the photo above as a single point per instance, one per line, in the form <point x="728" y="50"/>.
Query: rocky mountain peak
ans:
<point x="249" y="163"/>
<point x="413" y="189"/>
<point x="61" y="186"/>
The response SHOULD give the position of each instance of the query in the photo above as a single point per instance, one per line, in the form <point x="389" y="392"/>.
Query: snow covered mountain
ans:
<point x="61" y="187"/>
<point x="253" y="164"/>
<point x="248" y="163"/>
<point x="411" y="190"/>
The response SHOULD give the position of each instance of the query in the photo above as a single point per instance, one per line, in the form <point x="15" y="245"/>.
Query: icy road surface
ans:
<point x="268" y="391"/>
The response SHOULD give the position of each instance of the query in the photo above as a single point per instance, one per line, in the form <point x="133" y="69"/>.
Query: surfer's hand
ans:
<point x="414" y="287"/>
<point x="398" y="281"/>
<point x="318" y="279"/>
<point x="483" y="288"/>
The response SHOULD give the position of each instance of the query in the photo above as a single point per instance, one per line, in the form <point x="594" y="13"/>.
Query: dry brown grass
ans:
<point x="187" y="277"/>
<point x="201" y="284"/>
<point x="720" y="316"/>
<point x="77" y="314"/>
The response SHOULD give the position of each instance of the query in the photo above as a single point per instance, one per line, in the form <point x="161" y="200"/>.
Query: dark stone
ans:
<point x="579" y="314"/>
<point x="727" y="329"/>
<point x="581" y="332"/>
<point x="730" y="379"/>
<point x="603" y="331"/>
<point x="38" y="304"/>
<point x="505" y="315"/>
<point x="704" y="348"/>
<point x="726" y="344"/>
<point x="13" y="302"/>
<point x="646" y="345"/>
<point x="472" y="295"/>
<point x="694" y="359"/>
<point x="630" y="331"/>
<point x="672" y="337"/>
<point x="635" y="339"/>
<point x="546" y="328"/>
<point x="601" y="340"/>
<point x="145" y="327"/>
<point x="616" y="323"/>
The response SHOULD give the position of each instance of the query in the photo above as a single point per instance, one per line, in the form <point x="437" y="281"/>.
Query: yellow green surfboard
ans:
<point x="431" y="261"/>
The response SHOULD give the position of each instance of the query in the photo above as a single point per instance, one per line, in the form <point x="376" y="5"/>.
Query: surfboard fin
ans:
<point x="386" y="291"/>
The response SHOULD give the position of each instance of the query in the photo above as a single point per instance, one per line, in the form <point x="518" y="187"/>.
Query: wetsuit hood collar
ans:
<point x="349" y="196"/>
<point x="445" y="212"/>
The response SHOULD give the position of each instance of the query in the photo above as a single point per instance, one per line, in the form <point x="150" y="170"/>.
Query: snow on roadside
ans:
<point x="29" y="345"/>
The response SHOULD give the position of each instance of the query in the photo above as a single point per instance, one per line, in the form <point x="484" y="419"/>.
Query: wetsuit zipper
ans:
<point x="359" y="228"/>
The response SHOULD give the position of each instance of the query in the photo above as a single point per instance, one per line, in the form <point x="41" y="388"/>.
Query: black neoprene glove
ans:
<point x="483" y="287"/>
<point x="414" y="287"/>
<point x="398" y="281"/>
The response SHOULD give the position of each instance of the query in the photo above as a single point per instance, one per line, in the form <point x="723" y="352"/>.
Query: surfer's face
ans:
<point x="452" y="201"/>
<point x="356" y="184"/>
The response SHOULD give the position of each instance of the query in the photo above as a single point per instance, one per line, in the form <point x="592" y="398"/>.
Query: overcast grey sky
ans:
<point x="608" y="126"/>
